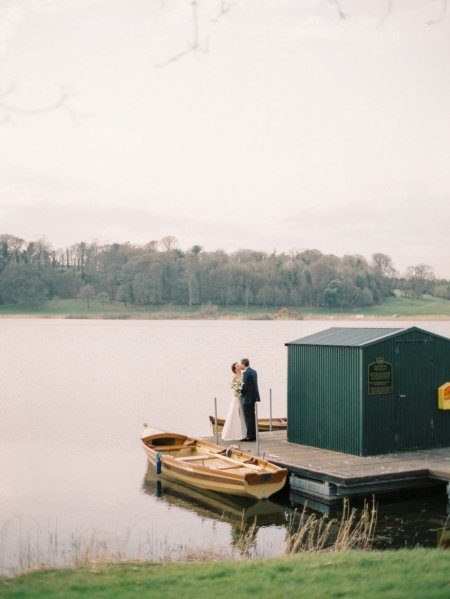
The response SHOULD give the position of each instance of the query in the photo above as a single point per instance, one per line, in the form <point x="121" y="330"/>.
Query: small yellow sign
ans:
<point x="444" y="396"/>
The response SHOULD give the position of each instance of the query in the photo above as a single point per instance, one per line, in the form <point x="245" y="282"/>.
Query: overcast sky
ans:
<point x="296" y="129"/>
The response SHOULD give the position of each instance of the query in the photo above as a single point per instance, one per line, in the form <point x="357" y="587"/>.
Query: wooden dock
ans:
<point x="329" y="476"/>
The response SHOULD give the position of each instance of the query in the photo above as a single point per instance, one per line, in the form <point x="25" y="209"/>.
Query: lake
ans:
<point x="74" y="397"/>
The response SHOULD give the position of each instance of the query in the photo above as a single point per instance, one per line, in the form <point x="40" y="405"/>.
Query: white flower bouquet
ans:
<point x="237" y="385"/>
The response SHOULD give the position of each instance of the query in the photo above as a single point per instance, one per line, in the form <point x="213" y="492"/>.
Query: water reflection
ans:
<point x="410" y="520"/>
<point x="407" y="520"/>
<point x="245" y="516"/>
<point x="414" y="522"/>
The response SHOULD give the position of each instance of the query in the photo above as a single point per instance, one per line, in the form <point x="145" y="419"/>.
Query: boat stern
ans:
<point x="264" y="484"/>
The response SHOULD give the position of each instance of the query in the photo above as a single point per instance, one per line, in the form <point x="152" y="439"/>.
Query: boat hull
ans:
<point x="204" y="465"/>
<point x="278" y="424"/>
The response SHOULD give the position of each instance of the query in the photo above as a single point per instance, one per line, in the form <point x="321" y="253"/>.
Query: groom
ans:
<point x="249" y="395"/>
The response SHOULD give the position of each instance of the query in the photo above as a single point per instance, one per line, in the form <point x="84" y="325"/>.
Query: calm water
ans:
<point x="74" y="396"/>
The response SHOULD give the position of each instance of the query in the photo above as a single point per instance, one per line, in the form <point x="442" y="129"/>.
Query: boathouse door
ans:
<point x="414" y="408"/>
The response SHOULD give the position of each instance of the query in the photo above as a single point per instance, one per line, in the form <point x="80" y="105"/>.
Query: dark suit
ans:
<point x="250" y="395"/>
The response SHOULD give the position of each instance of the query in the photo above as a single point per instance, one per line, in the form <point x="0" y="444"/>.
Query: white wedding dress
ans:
<point x="234" y="428"/>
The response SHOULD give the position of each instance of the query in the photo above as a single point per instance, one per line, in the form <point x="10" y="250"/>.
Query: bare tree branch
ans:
<point x="225" y="7"/>
<point x="193" y="46"/>
<point x="33" y="111"/>
<point x="9" y="108"/>
<point x="341" y="13"/>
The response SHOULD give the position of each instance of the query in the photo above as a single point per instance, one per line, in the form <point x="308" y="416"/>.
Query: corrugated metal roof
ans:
<point x="347" y="337"/>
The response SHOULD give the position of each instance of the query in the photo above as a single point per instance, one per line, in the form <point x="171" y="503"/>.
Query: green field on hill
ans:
<point x="398" y="307"/>
<point x="394" y="307"/>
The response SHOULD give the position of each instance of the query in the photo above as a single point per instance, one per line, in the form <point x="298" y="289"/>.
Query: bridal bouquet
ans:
<point x="237" y="385"/>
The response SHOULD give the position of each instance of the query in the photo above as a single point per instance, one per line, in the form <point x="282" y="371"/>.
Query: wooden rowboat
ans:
<point x="278" y="424"/>
<point x="204" y="465"/>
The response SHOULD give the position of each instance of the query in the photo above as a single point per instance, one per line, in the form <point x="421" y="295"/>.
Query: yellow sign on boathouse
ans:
<point x="444" y="396"/>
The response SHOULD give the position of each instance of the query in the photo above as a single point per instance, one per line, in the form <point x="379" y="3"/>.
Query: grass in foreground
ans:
<point x="406" y="574"/>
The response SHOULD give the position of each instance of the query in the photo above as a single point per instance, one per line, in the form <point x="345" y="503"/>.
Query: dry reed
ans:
<point x="352" y="531"/>
<point x="306" y="532"/>
<point x="245" y="542"/>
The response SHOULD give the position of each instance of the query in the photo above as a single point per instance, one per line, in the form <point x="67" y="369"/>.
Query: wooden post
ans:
<point x="270" y="407"/>
<point x="217" y="424"/>
<point x="257" y="429"/>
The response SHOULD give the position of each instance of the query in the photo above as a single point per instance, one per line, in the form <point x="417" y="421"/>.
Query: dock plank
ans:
<point x="348" y="470"/>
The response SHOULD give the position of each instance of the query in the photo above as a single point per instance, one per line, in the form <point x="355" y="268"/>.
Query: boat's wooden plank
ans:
<point x="192" y="458"/>
<point x="163" y="448"/>
<point x="240" y="462"/>
<point x="210" y="455"/>
<point x="230" y="467"/>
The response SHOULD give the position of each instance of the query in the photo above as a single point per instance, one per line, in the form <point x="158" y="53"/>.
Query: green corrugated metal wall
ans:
<point x="409" y="418"/>
<point x="324" y="406"/>
<point x="329" y="405"/>
<point x="379" y="411"/>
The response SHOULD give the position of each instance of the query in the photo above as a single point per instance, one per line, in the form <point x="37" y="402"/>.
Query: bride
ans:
<point x="235" y="427"/>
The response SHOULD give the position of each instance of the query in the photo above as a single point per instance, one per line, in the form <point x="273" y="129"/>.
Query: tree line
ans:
<point x="158" y="273"/>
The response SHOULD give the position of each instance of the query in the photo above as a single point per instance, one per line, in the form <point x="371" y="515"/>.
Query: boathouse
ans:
<point x="369" y="391"/>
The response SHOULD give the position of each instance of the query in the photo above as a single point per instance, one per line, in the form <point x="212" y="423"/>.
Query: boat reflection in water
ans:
<point x="408" y="520"/>
<point x="246" y="516"/>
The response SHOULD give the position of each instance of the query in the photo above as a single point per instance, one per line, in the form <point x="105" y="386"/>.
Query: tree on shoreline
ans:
<point x="159" y="273"/>
<point x="22" y="284"/>
<point x="88" y="293"/>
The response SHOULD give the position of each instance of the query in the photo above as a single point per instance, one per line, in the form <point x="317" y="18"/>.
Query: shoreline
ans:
<point x="253" y="317"/>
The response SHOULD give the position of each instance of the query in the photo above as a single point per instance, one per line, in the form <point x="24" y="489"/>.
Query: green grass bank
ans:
<point x="395" y="307"/>
<point x="405" y="574"/>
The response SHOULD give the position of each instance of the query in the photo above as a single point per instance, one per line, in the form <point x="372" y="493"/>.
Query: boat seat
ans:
<point x="191" y="458"/>
<point x="163" y="448"/>
<point x="230" y="467"/>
